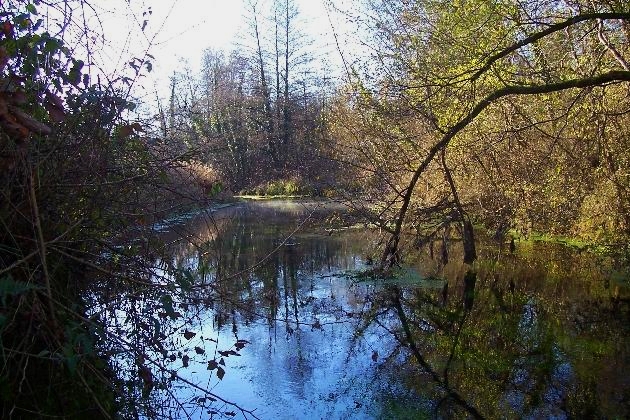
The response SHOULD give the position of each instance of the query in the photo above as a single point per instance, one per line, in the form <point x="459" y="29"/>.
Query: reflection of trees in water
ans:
<point x="539" y="333"/>
<point x="513" y="339"/>
<point x="274" y="287"/>
<point x="473" y="344"/>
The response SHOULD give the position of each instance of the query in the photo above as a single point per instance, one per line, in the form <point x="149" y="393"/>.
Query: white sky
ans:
<point x="178" y="31"/>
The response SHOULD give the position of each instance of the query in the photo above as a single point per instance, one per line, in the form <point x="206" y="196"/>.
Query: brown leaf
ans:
<point x="189" y="334"/>
<point x="212" y="365"/>
<point x="29" y="122"/>
<point x="4" y="58"/>
<point x="7" y="28"/>
<point x="55" y="108"/>
<point x="228" y="353"/>
<point x="55" y="114"/>
<point x="199" y="350"/>
<point x="146" y="375"/>
<point x="185" y="360"/>
<point x="240" y="344"/>
<point x="54" y="99"/>
<point x="129" y="129"/>
<point x="125" y="131"/>
<point x="220" y="373"/>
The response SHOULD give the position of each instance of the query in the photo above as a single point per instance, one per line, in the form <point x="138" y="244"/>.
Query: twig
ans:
<point x="32" y="254"/>
<point x="94" y="397"/>
<point x="609" y="46"/>
<point x="42" y="246"/>
<point x="158" y="365"/>
<point x="19" y="262"/>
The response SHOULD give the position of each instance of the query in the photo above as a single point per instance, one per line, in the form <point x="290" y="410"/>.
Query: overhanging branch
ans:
<point x="539" y="35"/>
<point x="602" y="79"/>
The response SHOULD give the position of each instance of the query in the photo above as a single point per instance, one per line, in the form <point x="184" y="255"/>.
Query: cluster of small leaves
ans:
<point x="36" y="67"/>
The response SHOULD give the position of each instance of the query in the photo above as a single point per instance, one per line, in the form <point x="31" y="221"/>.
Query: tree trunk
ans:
<point x="470" y="252"/>
<point x="269" y="125"/>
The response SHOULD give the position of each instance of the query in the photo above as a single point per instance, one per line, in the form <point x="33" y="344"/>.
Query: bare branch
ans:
<point x="539" y="35"/>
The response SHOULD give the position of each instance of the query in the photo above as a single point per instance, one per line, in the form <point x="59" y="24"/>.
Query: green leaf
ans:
<point x="156" y="328"/>
<point x="10" y="287"/>
<point x="167" y="304"/>
<point x="52" y="45"/>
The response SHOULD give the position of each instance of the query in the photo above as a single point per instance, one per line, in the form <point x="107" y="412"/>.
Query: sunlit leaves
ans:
<point x="441" y="63"/>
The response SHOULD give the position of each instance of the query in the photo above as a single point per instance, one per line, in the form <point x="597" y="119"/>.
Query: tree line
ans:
<point x="256" y="113"/>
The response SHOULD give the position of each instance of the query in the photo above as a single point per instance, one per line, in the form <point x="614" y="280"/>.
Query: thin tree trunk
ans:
<point x="468" y="234"/>
<point x="286" y="120"/>
<point x="269" y="126"/>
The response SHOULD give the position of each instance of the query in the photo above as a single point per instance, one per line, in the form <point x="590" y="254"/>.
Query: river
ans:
<point x="266" y="315"/>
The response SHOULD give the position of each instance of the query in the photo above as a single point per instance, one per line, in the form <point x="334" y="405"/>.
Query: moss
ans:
<point x="396" y="410"/>
<point x="280" y="188"/>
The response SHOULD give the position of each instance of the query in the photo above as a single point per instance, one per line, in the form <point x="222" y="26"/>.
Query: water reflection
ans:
<point x="297" y="311"/>
<point x="269" y="314"/>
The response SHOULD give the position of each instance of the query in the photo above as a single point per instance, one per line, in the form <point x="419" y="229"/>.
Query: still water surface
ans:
<point x="285" y="327"/>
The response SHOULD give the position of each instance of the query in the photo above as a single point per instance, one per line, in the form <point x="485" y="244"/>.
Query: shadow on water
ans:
<point x="271" y="315"/>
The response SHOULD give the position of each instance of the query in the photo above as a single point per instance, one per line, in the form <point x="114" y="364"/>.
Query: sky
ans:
<point x="178" y="31"/>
